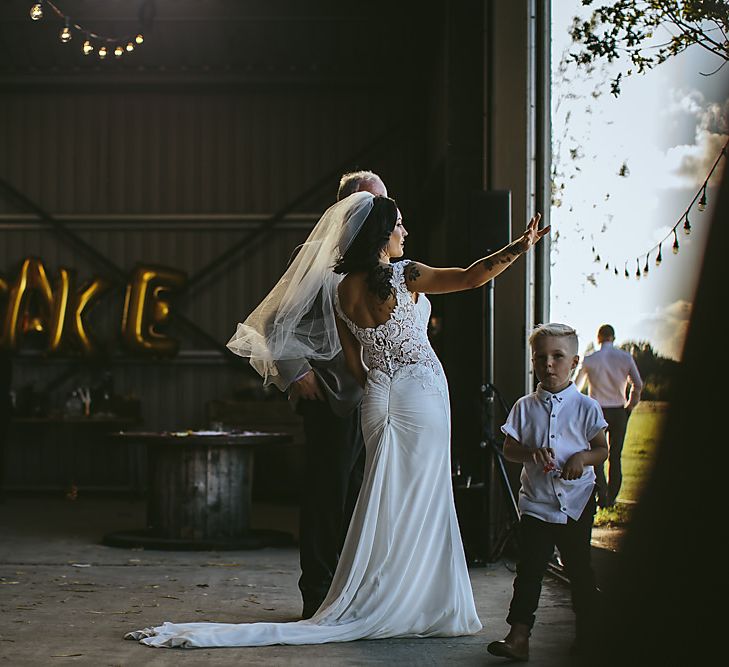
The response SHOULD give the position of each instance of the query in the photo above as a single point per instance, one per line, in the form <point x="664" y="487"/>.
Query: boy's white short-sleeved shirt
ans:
<point x="566" y="422"/>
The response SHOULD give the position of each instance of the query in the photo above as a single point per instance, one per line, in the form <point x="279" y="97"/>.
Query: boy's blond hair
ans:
<point x="557" y="330"/>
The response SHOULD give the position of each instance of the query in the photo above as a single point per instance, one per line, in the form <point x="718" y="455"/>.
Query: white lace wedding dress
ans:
<point x="402" y="572"/>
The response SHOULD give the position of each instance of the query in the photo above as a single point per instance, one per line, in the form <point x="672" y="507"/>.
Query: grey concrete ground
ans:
<point x="67" y="600"/>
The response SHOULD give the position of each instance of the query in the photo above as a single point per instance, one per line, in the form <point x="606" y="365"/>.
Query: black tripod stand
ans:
<point x="494" y="467"/>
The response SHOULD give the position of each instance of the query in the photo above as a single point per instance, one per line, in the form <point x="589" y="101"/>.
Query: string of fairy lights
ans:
<point x="656" y="252"/>
<point x="93" y="41"/>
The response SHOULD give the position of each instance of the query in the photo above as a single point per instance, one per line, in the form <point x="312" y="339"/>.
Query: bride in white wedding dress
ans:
<point x="402" y="572"/>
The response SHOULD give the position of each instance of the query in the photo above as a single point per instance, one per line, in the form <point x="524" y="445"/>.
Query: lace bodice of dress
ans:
<point x="402" y="340"/>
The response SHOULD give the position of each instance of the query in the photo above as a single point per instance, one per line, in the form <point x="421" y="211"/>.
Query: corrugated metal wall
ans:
<point x="147" y="153"/>
<point x="112" y="164"/>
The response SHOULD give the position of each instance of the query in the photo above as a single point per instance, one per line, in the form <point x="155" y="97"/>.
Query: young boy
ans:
<point x="558" y="434"/>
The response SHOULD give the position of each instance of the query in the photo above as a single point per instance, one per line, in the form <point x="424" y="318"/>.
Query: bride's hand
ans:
<point x="533" y="234"/>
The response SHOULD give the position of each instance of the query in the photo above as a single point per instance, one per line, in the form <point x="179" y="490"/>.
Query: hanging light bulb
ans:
<point x="88" y="47"/>
<point x="130" y="47"/>
<point x="702" y="202"/>
<point x="607" y="266"/>
<point x="118" y="51"/>
<point x="66" y="33"/>
<point x="616" y="270"/>
<point x="597" y="257"/>
<point x="139" y="38"/>
<point x="675" y="243"/>
<point x="36" y="11"/>
<point x="637" y="269"/>
<point x="645" y="268"/>
<point x="102" y="52"/>
<point x="627" y="275"/>
<point x="687" y="225"/>
<point x="659" y="256"/>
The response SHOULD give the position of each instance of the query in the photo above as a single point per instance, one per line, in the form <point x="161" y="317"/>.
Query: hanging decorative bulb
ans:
<point x="90" y="40"/>
<point x="675" y="243"/>
<point x="687" y="225"/>
<point x="645" y="268"/>
<point x="627" y="275"/>
<point x="66" y="33"/>
<point x="659" y="256"/>
<point x="637" y="269"/>
<point x="597" y="257"/>
<point x="702" y="202"/>
<point x="616" y="270"/>
<point x="607" y="266"/>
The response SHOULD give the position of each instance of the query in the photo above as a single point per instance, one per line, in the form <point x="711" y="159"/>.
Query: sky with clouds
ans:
<point x="628" y="167"/>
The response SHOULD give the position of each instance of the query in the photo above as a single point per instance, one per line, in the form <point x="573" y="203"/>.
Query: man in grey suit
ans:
<point x="328" y="397"/>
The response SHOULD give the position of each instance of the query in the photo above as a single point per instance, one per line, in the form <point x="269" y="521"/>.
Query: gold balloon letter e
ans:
<point x="145" y="309"/>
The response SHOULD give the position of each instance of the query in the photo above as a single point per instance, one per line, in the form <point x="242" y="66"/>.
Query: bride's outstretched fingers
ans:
<point x="533" y="234"/>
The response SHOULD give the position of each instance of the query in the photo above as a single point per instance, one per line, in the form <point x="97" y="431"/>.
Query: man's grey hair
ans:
<point x="557" y="330"/>
<point x="352" y="182"/>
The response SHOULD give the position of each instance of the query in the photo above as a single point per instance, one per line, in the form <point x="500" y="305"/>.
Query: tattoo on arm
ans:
<point x="504" y="256"/>
<point x="412" y="273"/>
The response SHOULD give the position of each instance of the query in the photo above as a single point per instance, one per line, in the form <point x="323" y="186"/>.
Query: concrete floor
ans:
<point x="67" y="600"/>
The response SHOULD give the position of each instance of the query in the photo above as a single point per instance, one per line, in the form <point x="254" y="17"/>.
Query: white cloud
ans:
<point x="688" y="164"/>
<point x="666" y="328"/>
<point x="681" y="102"/>
<point x="715" y="118"/>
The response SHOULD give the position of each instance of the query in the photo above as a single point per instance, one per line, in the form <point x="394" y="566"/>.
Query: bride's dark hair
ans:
<point x="363" y="253"/>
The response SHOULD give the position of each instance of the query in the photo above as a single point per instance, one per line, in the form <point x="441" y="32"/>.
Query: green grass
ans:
<point x="641" y="440"/>
<point x="610" y="517"/>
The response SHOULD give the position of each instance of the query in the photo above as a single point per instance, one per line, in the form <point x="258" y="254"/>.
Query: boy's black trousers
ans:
<point x="538" y="539"/>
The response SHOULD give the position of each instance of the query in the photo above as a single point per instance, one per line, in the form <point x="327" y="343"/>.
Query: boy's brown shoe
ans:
<point x="514" y="650"/>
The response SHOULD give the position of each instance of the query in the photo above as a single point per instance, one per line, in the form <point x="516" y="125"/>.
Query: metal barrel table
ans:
<point x="199" y="493"/>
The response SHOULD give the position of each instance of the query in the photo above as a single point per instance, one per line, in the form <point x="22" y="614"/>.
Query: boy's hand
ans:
<point x="543" y="456"/>
<point x="574" y="467"/>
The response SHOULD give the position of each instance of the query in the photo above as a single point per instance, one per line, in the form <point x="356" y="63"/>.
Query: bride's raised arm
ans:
<point x="423" y="278"/>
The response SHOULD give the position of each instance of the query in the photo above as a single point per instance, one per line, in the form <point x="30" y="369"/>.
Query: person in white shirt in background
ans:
<point x="558" y="434"/>
<point x="607" y="372"/>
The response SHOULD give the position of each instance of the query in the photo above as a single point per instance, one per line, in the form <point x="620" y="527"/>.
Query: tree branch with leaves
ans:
<point x="648" y="33"/>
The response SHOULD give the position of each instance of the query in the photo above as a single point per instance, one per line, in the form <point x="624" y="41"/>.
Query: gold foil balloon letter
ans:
<point x="33" y="307"/>
<point x="82" y="301"/>
<point x="146" y="310"/>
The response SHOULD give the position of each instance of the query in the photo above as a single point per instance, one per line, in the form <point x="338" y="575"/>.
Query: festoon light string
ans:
<point x="93" y="41"/>
<point x="644" y="258"/>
